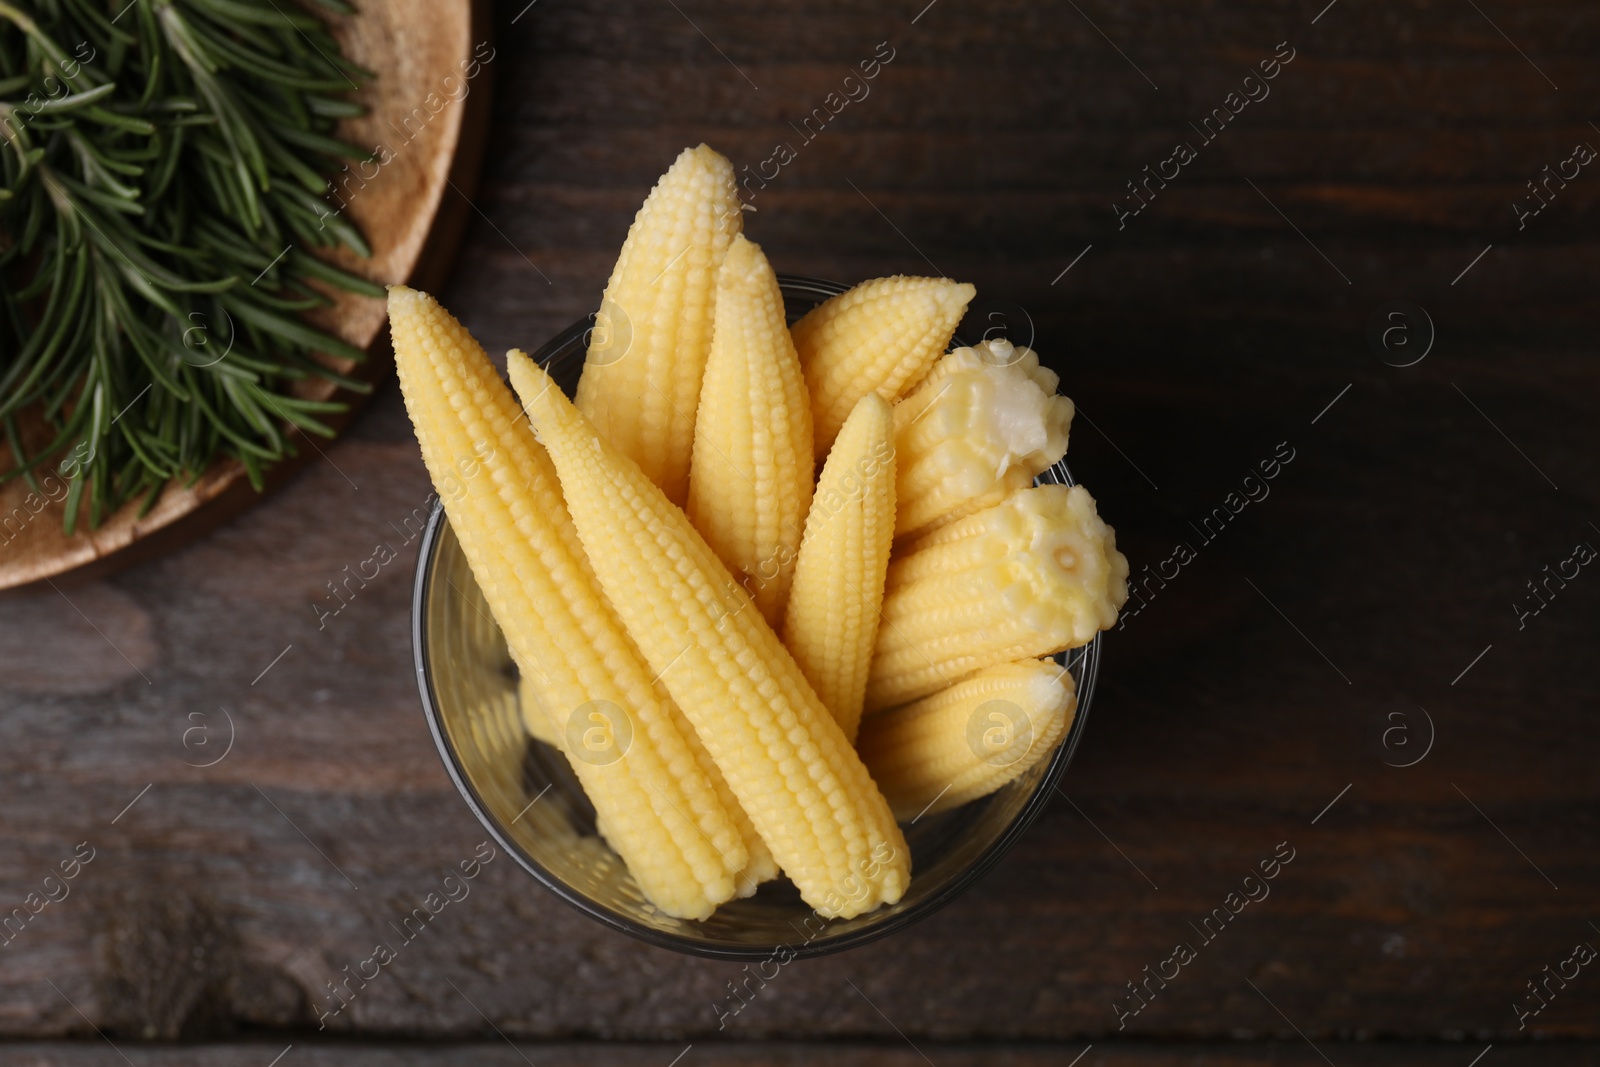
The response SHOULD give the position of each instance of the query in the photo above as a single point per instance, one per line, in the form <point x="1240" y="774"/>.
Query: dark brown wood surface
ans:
<point x="1373" y="589"/>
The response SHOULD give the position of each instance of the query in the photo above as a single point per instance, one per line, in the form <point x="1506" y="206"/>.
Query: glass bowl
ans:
<point x="530" y="802"/>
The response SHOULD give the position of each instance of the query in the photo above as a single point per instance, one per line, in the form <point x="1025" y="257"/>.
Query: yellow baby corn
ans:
<point x="881" y="336"/>
<point x="787" y="761"/>
<point x="663" y="816"/>
<point x="968" y="740"/>
<point x="1032" y="576"/>
<point x="750" y="482"/>
<point x="760" y="866"/>
<point x="832" y="617"/>
<point x="641" y="381"/>
<point x="985" y="422"/>
<point x="994" y="353"/>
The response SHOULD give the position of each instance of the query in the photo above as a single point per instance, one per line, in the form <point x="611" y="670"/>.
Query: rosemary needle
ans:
<point x="162" y="202"/>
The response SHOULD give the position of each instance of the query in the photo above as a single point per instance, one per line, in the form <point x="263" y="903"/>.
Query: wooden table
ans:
<point x="1370" y="608"/>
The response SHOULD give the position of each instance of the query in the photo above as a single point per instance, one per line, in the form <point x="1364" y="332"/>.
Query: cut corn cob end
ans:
<point x="880" y="336"/>
<point x="1032" y="576"/>
<point x="996" y="353"/>
<point x="970" y="739"/>
<point x="1056" y="525"/>
<point x="986" y="421"/>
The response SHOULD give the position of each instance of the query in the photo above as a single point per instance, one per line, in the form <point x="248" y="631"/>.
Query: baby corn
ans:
<point x="750" y="481"/>
<point x="662" y="815"/>
<point x="983" y="424"/>
<point x="832" y="617"/>
<point x="1032" y="576"/>
<point x="760" y="866"/>
<point x="881" y="336"/>
<point x="785" y="758"/>
<point x="970" y="739"/>
<point x="641" y="381"/>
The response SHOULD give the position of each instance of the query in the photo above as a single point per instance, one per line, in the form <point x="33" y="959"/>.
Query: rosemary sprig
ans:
<point x="163" y="166"/>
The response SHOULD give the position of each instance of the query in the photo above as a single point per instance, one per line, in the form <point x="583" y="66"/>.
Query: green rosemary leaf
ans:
<point x="144" y="456"/>
<point x="337" y="7"/>
<point x="100" y="24"/>
<point x="161" y="183"/>
<point x="327" y="218"/>
<point x="312" y="367"/>
<point x="24" y="466"/>
<point x="327" y="146"/>
<point x="273" y="302"/>
<point x="292" y="329"/>
<point x="95" y="113"/>
<point x="227" y="10"/>
<point x="333" y="108"/>
<point x="252" y="470"/>
<point x="312" y="267"/>
<point x="150" y="497"/>
<point x="64" y="104"/>
<point x="74" y="502"/>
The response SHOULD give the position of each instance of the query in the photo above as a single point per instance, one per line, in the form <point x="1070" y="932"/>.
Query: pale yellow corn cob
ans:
<point x="1032" y="576"/>
<point x="641" y="381"/>
<point x="881" y="336"/>
<point x="760" y="865"/>
<point x="832" y="618"/>
<point x="983" y="424"/>
<point x="787" y="761"/>
<point x="750" y="482"/>
<point x="968" y="740"/>
<point x="994" y="353"/>
<point x="662" y="814"/>
<point x="759" y="868"/>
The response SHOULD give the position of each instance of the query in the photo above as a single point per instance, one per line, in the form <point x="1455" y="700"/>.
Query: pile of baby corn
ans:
<point x="780" y="663"/>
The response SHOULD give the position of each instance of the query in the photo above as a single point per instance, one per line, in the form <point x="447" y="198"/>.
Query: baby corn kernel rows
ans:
<point x="797" y="582"/>
<point x="664" y="816"/>
<point x="751" y="473"/>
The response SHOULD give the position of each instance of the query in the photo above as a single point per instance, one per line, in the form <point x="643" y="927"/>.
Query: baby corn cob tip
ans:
<point x="751" y="476"/>
<point x="881" y="336"/>
<point x="661" y="813"/>
<point x="970" y="739"/>
<point x="783" y="755"/>
<point x="647" y="354"/>
<point x="832" y="617"/>
<point x="1034" y="575"/>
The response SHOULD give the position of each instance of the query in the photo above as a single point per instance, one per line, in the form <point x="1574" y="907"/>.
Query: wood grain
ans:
<point x="1244" y="699"/>
<point x="1291" y="1052"/>
<point x="424" y="119"/>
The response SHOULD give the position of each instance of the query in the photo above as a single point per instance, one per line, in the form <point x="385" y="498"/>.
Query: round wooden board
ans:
<point x="427" y="113"/>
